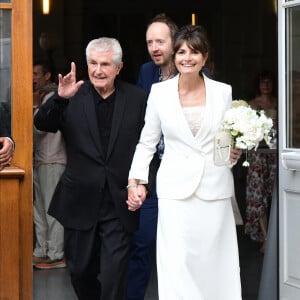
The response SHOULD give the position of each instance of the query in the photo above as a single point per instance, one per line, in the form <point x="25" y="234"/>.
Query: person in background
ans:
<point x="265" y="92"/>
<point x="101" y="120"/>
<point x="197" y="252"/>
<point x="49" y="164"/>
<point x="261" y="173"/>
<point x="159" y="38"/>
<point x="42" y="81"/>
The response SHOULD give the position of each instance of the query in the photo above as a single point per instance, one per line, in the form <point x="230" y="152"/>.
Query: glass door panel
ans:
<point x="289" y="149"/>
<point x="5" y="69"/>
<point x="293" y="80"/>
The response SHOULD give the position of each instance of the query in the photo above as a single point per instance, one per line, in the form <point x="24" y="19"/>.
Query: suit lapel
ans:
<point x="174" y="110"/>
<point x="117" y="117"/>
<point x="207" y="120"/>
<point x="89" y="109"/>
<point x="208" y="117"/>
<point x="182" y="123"/>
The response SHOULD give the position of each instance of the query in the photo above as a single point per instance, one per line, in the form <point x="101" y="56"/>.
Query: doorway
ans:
<point x="244" y="41"/>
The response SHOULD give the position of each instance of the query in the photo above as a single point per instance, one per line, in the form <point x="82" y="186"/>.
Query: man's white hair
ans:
<point x="104" y="44"/>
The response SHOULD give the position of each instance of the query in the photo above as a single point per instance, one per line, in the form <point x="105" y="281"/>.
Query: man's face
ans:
<point x="102" y="70"/>
<point x="39" y="79"/>
<point x="159" y="43"/>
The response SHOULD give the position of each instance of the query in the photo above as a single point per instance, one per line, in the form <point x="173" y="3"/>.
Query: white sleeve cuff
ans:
<point x="12" y="142"/>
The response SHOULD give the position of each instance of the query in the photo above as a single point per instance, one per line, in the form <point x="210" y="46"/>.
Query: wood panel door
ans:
<point x="16" y="180"/>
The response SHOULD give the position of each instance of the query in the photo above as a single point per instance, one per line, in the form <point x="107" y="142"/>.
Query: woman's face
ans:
<point x="189" y="61"/>
<point x="265" y="86"/>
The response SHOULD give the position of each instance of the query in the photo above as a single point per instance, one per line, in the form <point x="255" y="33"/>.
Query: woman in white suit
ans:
<point x="197" y="252"/>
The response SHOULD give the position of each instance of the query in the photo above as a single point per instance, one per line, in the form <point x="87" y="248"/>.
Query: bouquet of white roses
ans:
<point x="247" y="126"/>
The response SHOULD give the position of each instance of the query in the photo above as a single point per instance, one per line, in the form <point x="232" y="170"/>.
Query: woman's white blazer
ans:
<point x="187" y="166"/>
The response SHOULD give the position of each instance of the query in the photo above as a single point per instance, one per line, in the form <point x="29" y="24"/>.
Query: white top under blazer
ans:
<point x="187" y="166"/>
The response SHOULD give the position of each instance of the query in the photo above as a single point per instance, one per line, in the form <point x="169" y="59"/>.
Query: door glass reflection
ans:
<point x="5" y="71"/>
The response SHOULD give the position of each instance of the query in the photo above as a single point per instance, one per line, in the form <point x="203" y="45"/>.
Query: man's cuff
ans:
<point x="12" y="142"/>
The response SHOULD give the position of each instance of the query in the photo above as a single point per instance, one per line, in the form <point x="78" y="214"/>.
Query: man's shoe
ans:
<point x="37" y="260"/>
<point x="51" y="264"/>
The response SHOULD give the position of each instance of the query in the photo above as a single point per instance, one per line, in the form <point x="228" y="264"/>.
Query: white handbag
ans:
<point x="222" y="146"/>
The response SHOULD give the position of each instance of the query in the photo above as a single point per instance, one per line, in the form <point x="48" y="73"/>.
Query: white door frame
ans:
<point x="289" y="160"/>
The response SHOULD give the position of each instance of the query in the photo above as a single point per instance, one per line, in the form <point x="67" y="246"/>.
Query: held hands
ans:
<point x="67" y="85"/>
<point x="136" y="196"/>
<point x="6" y="152"/>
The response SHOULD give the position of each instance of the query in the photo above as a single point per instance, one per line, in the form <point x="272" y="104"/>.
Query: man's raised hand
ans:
<point x="67" y="85"/>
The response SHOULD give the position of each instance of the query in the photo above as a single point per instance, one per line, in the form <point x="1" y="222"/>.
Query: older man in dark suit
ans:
<point x="101" y="120"/>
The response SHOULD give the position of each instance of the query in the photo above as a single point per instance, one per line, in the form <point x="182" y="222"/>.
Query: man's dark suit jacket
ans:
<point x="5" y="128"/>
<point x="77" y="198"/>
<point x="149" y="74"/>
